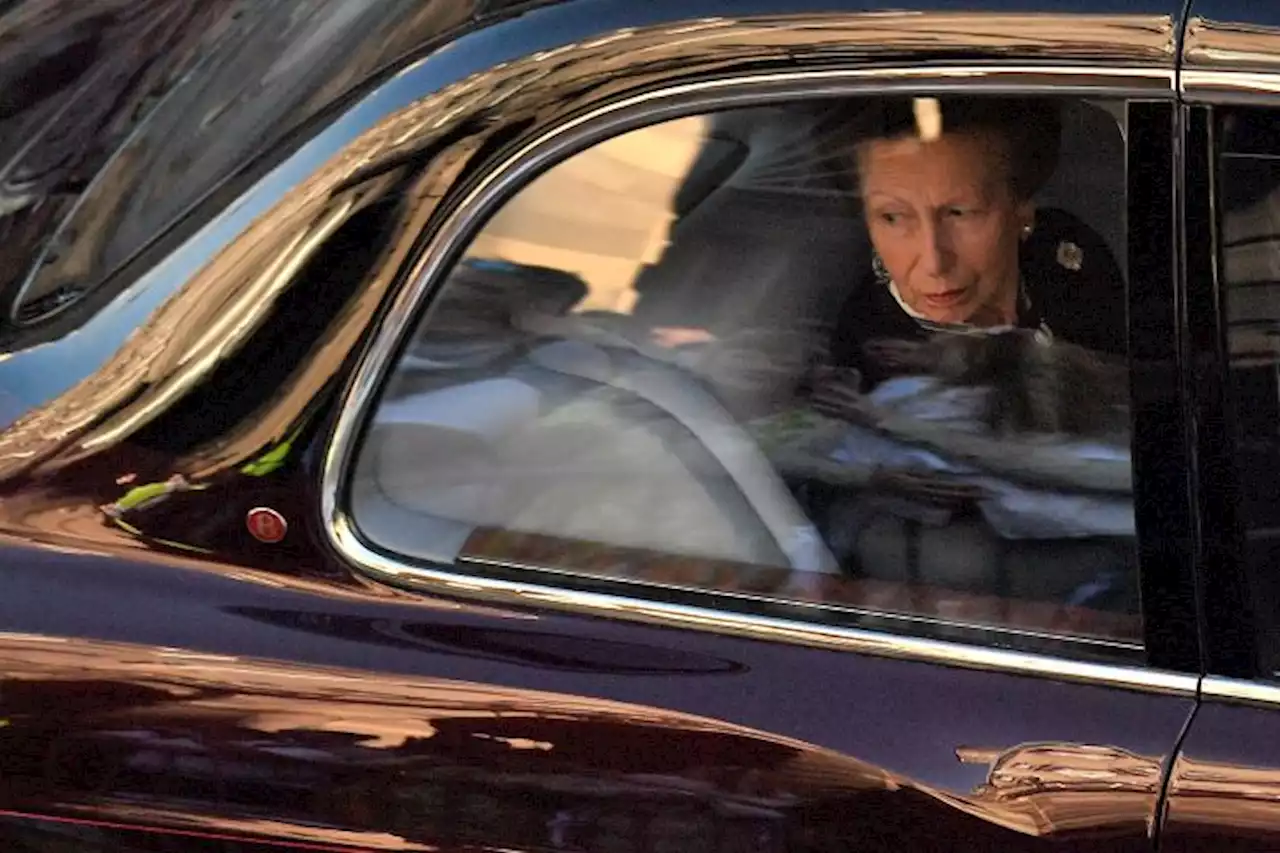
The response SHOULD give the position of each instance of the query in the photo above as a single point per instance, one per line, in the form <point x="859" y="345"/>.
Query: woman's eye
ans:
<point x="957" y="212"/>
<point x="891" y="218"/>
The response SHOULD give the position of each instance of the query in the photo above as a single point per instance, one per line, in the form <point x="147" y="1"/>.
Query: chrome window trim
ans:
<point x="766" y="628"/>
<point x="1238" y="691"/>
<point x="1202" y="86"/>
<point x="611" y="119"/>
<point x="553" y="573"/>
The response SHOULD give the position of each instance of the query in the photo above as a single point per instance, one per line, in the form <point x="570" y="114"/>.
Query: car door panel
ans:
<point x="337" y="717"/>
<point x="1222" y="789"/>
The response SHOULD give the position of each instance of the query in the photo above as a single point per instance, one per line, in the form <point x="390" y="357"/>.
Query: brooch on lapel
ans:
<point x="1070" y="256"/>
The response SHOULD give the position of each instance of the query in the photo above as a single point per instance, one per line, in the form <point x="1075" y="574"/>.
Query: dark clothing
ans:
<point x="1084" y="305"/>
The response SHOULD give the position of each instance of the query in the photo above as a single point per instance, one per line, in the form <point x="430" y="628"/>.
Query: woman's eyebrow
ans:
<point x="885" y="195"/>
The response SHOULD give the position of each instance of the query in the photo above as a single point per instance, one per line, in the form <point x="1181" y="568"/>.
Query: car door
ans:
<point x="1221" y="793"/>
<point x="293" y="624"/>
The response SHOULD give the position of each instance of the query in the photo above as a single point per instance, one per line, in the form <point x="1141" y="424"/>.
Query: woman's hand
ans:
<point x="836" y="393"/>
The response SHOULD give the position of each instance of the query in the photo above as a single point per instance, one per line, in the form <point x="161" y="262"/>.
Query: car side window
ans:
<point x="867" y="355"/>
<point x="1248" y="196"/>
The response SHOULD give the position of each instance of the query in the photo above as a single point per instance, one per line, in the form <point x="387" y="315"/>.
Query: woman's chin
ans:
<point x="955" y="317"/>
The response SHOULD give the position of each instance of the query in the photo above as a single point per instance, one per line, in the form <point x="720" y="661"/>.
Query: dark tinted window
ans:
<point x="1249" y="205"/>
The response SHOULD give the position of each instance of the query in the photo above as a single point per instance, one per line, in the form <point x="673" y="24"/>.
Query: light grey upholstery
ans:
<point x="572" y="443"/>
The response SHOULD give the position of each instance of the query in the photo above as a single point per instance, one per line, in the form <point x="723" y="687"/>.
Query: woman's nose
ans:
<point x="936" y="256"/>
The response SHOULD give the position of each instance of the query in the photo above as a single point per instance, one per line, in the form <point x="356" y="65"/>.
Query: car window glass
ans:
<point x="1249" y="222"/>
<point x="868" y="355"/>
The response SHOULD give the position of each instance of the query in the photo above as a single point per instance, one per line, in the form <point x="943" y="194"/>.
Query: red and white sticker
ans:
<point x="266" y="525"/>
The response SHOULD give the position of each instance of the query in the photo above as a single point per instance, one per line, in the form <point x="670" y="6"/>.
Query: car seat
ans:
<point x="1090" y="181"/>
<point x="766" y="231"/>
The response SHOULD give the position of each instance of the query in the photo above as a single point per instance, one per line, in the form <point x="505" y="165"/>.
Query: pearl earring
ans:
<point x="1026" y="230"/>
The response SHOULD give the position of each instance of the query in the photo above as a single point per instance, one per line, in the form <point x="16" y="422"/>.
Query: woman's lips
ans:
<point x="946" y="297"/>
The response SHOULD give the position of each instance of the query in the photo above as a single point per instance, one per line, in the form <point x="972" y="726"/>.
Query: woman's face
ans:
<point x="943" y="218"/>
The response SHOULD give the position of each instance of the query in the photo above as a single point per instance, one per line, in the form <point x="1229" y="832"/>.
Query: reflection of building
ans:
<point x="1043" y="789"/>
<point x="219" y="743"/>
<point x="600" y="214"/>
<point x="1056" y="786"/>
<point x="212" y="742"/>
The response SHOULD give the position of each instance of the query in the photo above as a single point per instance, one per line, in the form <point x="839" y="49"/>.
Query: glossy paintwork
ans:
<point x="1225" y="787"/>
<point x="386" y="700"/>
<point x="80" y="80"/>
<point x="163" y="669"/>
<point x="156" y="103"/>
<point x="1228" y="57"/>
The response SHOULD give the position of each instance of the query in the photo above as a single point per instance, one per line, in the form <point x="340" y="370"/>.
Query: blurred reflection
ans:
<point x="1214" y="45"/>
<point x="78" y="80"/>
<point x="1056" y="786"/>
<point x="191" y="740"/>
<point x="216" y="743"/>
<point x="159" y="102"/>
<point x="32" y="834"/>
<point x="1247" y="199"/>
<point x="1224" y="795"/>
<point x="862" y="596"/>
<point x="574" y="219"/>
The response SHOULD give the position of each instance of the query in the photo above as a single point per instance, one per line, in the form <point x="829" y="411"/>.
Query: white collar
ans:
<point x="1043" y="333"/>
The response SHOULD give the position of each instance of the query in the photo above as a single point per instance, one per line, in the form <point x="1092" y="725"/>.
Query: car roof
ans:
<point x="1239" y="10"/>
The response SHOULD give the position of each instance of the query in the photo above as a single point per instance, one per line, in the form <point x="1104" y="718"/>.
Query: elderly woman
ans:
<point x="947" y="188"/>
<point x="968" y="279"/>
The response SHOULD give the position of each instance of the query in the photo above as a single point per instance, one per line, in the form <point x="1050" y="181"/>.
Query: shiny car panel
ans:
<point x="213" y="217"/>
<point x="195" y="740"/>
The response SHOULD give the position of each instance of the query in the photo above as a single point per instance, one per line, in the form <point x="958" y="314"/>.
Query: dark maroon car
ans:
<point x="420" y="430"/>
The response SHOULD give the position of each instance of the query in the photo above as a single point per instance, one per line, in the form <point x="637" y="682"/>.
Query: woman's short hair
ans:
<point x="1030" y="127"/>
